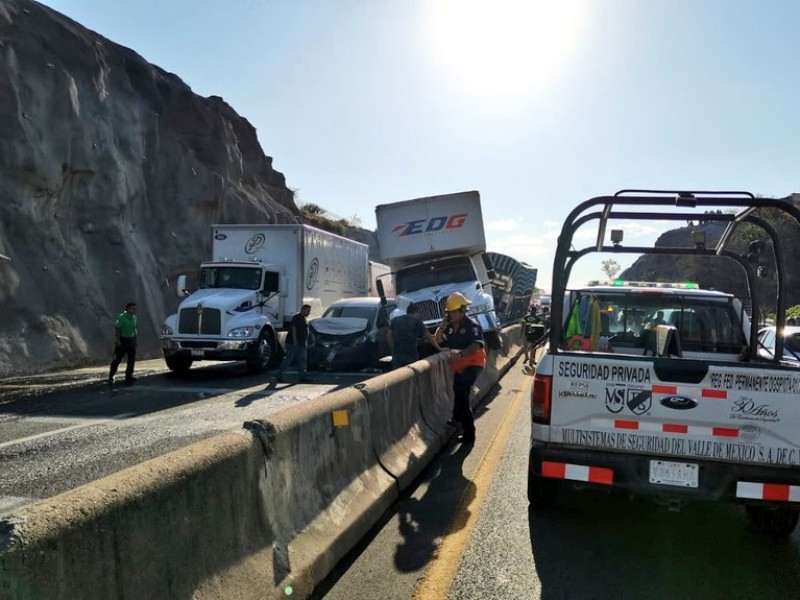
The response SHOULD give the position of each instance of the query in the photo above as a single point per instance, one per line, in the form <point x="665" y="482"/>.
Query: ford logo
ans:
<point x="678" y="402"/>
<point x="220" y="236"/>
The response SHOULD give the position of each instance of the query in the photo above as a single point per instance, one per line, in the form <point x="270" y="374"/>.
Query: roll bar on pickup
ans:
<point x="643" y="205"/>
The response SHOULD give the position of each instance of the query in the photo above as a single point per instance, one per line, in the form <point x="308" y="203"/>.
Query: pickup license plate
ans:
<point x="198" y="352"/>
<point x="665" y="472"/>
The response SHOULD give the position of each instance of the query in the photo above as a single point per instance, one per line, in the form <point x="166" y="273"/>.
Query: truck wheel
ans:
<point x="776" y="522"/>
<point x="494" y="339"/>
<point x="542" y="491"/>
<point x="260" y="359"/>
<point x="178" y="364"/>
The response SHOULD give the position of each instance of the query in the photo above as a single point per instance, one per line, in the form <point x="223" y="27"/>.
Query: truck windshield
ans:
<point x="243" y="278"/>
<point x="451" y="270"/>
<point x="629" y="320"/>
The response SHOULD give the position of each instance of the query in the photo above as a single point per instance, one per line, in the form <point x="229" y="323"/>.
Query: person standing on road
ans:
<point x="404" y="332"/>
<point x="530" y="335"/>
<point x="126" y="328"/>
<point x="464" y="337"/>
<point x="297" y="346"/>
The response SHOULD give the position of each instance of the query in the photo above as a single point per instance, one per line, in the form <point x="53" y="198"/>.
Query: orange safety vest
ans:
<point x="476" y="359"/>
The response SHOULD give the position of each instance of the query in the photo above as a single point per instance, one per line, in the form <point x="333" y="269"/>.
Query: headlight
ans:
<point x="479" y="308"/>
<point x="361" y="340"/>
<point x="242" y="332"/>
<point x="167" y="330"/>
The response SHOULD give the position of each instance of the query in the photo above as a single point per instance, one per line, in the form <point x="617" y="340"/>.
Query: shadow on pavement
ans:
<point x="599" y="545"/>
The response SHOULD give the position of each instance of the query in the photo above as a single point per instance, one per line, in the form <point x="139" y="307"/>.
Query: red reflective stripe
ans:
<point x="671" y="428"/>
<point x="714" y="394"/>
<point x="626" y="424"/>
<point x="725" y="432"/>
<point x="601" y="475"/>
<point x="665" y="389"/>
<point x="775" y="491"/>
<point x="554" y="470"/>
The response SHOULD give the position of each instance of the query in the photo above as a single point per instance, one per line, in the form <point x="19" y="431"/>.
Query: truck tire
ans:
<point x="494" y="339"/>
<point x="261" y="357"/>
<point x="542" y="491"/>
<point x="178" y="364"/>
<point x="775" y="522"/>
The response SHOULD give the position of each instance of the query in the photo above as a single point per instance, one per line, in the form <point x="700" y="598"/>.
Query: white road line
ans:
<point x="45" y="434"/>
<point x="9" y="503"/>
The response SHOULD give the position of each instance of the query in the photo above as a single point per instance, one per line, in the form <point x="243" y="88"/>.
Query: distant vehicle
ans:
<point x="512" y="287"/>
<point x="544" y="300"/>
<point x="791" y="343"/>
<point x="436" y="246"/>
<point x="259" y="277"/>
<point x="351" y="335"/>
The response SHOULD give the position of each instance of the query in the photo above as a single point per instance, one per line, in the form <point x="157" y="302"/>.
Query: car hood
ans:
<point x="222" y="298"/>
<point x="338" y="325"/>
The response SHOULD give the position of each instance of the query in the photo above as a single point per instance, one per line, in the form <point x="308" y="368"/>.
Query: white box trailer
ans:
<point x="436" y="246"/>
<point x="259" y="276"/>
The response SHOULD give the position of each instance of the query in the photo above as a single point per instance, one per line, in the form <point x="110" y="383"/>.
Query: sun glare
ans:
<point x="503" y="49"/>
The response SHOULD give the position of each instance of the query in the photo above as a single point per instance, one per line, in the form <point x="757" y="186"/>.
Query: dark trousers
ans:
<point x="462" y="411"/>
<point x="126" y="347"/>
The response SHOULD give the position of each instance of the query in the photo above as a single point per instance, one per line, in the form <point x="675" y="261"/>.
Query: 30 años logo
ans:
<point x="618" y="396"/>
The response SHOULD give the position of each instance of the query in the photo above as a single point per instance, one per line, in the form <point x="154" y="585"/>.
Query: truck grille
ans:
<point x="430" y="310"/>
<point x="189" y="321"/>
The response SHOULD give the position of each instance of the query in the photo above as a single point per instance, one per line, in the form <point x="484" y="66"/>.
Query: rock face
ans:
<point x="722" y="273"/>
<point x="111" y="173"/>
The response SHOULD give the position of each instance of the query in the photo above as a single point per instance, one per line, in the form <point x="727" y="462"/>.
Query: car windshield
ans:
<point x="359" y="312"/>
<point x="243" y="278"/>
<point x="455" y="269"/>
<point x="705" y="324"/>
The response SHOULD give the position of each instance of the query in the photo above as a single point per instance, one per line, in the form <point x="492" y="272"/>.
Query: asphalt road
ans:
<point x="59" y="431"/>
<point x="465" y="532"/>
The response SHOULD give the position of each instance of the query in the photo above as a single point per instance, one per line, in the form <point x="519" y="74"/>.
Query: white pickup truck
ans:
<point x="658" y="389"/>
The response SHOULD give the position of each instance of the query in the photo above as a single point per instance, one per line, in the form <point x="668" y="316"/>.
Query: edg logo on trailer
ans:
<point x="430" y="225"/>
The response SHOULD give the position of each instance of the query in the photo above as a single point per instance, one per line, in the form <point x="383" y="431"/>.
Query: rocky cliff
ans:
<point x="722" y="273"/>
<point x="111" y="172"/>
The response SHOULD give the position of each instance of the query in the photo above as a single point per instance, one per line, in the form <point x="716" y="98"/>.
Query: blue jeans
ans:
<point x="295" y="353"/>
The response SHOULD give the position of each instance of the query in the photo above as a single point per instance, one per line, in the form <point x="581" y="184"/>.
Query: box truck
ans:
<point x="258" y="278"/>
<point x="436" y="246"/>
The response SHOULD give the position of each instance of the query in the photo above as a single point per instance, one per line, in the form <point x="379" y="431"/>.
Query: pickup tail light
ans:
<point x="541" y="399"/>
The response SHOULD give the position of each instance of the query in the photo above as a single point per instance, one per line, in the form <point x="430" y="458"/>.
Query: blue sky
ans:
<point x="538" y="105"/>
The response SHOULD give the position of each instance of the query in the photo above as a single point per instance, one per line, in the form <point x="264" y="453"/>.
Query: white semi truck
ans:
<point x="436" y="246"/>
<point x="260" y="276"/>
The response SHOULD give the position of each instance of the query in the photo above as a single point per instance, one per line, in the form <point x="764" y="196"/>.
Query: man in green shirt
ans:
<point x="125" y="327"/>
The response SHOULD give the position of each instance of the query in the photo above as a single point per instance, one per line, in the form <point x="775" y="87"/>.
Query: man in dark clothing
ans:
<point x="126" y="327"/>
<point x="297" y="346"/>
<point x="464" y="337"/>
<point x="404" y="332"/>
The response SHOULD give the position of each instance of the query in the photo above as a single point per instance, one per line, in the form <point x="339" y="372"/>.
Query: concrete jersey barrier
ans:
<point x="402" y="441"/>
<point x="324" y="486"/>
<point x="241" y="515"/>
<point x="162" y="529"/>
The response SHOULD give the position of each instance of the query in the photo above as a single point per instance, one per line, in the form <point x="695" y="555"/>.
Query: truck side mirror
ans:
<point x="381" y="292"/>
<point x="180" y="286"/>
<point x="487" y="262"/>
<point x="271" y="282"/>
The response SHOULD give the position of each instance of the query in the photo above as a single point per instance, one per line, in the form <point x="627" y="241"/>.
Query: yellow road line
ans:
<point x="437" y="579"/>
